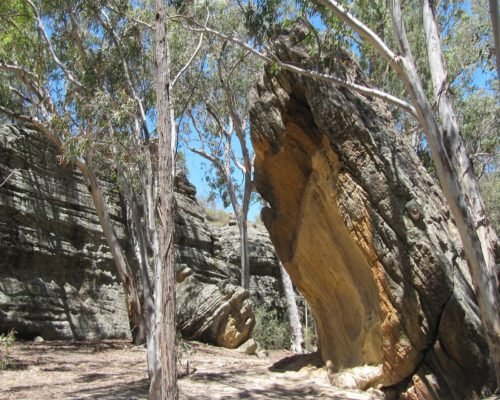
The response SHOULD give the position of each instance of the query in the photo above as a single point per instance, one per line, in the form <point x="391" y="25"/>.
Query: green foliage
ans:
<point x="271" y="332"/>
<point x="310" y="340"/>
<point x="6" y="345"/>
<point x="181" y="163"/>
<point x="490" y="190"/>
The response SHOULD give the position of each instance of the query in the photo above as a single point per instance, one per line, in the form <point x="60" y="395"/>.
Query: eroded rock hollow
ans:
<point x="364" y="233"/>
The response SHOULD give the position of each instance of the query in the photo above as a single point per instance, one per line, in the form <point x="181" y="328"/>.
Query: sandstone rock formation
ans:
<point x="210" y="306"/>
<point x="57" y="277"/>
<point x="365" y="234"/>
<point x="266" y="288"/>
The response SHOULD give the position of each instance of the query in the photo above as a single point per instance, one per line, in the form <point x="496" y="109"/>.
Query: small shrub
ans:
<point x="310" y="341"/>
<point x="6" y="345"/>
<point x="271" y="332"/>
<point x="218" y="217"/>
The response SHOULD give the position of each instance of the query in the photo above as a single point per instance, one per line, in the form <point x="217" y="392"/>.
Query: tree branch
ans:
<point x="361" y="29"/>
<point x="51" y="48"/>
<point x="312" y="74"/>
<point x="6" y="179"/>
<point x="193" y="56"/>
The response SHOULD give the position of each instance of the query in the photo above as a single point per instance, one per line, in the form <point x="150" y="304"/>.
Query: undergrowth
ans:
<point x="271" y="332"/>
<point x="6" y="344"/>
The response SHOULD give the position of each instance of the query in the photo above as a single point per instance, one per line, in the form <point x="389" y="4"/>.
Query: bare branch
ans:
<point x="214" y="160"/>
<point x="6" y="179"/>
<point x="361" y="29"/>
<point x="137" y="20"/>
<point x="51" y="48"/>
<point x="236" y="162"/>
<point x="193" y="56"/>
<point x="312" y="74"/>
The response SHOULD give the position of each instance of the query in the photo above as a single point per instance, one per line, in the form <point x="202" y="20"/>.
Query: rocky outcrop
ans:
<point x="365" y="234"/>
<point x="210" y="306"/>
<point x="266" y="288"/>
<point x="57" y="277"/>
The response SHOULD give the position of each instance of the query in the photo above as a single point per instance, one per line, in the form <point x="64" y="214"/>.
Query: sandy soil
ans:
<point x="117" y="370"/>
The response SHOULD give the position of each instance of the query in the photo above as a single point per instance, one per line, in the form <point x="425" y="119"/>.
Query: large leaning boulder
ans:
<point x="365" y="234"/>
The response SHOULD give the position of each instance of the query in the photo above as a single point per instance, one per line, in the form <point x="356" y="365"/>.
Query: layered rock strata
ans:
<point x="364" y="233"/>
<point x="211" y="307"/>
<point x="57" y="277"/>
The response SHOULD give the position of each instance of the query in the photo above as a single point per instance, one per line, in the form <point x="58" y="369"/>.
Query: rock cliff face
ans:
<point x="365" y="234"/>
<point x="211" y="307"/>
<point x="57" y="277"/>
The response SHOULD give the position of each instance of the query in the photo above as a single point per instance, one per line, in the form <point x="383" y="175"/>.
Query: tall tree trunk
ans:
<point x="292" y="311"/>
<point x="457" y="181"/>
<point x="138" y="241"/>
<point x="125" y="273"/>
<point x="477" y="234"/>
<point x="244" y="254"/>
<point x="164" y="380"/>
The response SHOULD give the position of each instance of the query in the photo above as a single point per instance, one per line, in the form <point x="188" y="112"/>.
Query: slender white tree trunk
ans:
<point x="495" y="22"/>
<point x="122" y="266"/>
<point x="455" y="173"/>
<point x="292" y="311"/>
<point x="244" y="255"/>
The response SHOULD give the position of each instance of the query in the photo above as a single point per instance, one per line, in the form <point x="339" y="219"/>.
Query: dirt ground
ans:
<point x="116" y="370"/>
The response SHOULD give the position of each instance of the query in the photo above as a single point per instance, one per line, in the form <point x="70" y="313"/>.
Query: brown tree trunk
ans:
<point x="164" y="380"/>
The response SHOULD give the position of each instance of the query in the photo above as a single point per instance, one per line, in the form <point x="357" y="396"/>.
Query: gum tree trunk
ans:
<point x="164" y="379"/>
<point x="293" y="313"/>
<point x="122" y="266"/>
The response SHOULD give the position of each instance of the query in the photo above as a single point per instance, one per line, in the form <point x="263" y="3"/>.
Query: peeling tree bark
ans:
<point x="164" y="380"/>
<point x="122" y="266"/>
<point x="479" y="238"/>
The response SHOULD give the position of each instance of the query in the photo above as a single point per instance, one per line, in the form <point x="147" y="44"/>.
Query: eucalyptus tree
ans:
<point x="56" y="88"/>
<point x="216" y="120"/>
<point x="453" y="166"/>
<point x="216" y="128"/>
<point x="164" y="379"/>
<point x="82" y="73"/>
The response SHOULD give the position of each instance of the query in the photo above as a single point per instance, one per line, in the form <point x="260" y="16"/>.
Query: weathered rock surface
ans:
<point x="210" y="306"/>
<point x="266" y="288"/>
<point x="365" y="234"/>
<point x="57" y="277"/>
